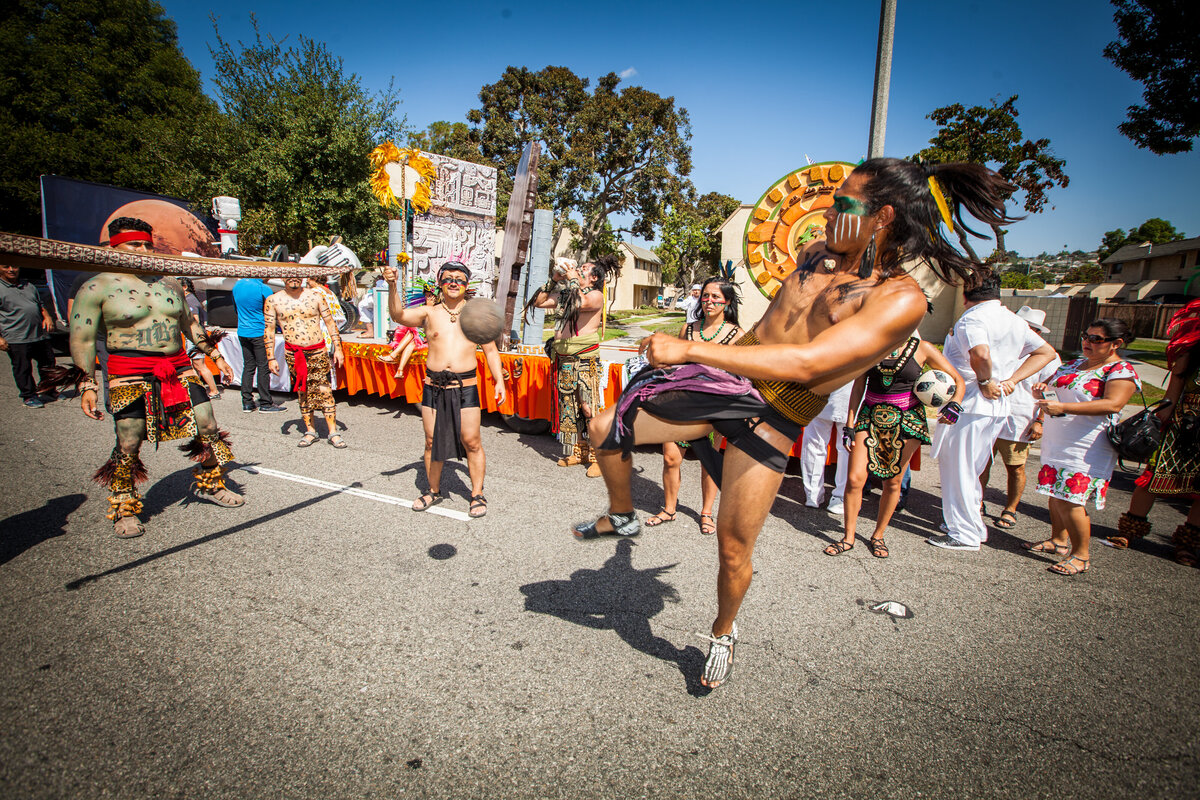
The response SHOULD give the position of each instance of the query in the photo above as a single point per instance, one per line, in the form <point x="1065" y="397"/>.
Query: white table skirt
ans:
<point x="231" y="351"/>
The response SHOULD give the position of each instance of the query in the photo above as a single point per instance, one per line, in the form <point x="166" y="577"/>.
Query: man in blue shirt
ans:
<point x="249" y="295"/>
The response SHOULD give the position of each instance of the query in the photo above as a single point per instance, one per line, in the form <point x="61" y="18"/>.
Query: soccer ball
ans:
<point x="935" y="388"/>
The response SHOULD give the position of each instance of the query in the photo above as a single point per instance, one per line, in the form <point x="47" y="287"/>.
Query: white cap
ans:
<point x="695" y="286"/>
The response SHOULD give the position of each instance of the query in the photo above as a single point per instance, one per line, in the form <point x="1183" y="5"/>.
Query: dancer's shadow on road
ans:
<point x="622" y="598"/>
<point x="21" y="532"/>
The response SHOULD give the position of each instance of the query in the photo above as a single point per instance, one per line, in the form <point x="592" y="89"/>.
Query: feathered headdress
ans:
<point x="1184" y="332"/>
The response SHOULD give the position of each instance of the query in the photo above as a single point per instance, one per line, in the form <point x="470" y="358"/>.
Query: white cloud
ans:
<point x="627" y="73"/>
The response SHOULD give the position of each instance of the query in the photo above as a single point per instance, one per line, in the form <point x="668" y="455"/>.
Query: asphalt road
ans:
<point x="326" y="643"/>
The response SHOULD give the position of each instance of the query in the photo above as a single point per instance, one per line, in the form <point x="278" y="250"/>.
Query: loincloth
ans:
<point x="791" y="400"/>
<point x="309" y="368"/>
<point x="578" y="395"/>
<point x="697" y="393"/>
<point x="161" y="388"/>
<point x="447" y="396"/>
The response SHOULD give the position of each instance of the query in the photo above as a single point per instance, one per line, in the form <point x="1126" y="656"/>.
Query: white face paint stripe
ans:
<point x="846" y="228"/>
<point x="354" y="491"/>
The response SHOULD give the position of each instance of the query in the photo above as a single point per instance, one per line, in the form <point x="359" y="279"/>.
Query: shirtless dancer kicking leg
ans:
<point x="300" y="312"/>
<point x="823" y="329"/>
<point x="154" y="392"/>
<point x="450" y="404"/>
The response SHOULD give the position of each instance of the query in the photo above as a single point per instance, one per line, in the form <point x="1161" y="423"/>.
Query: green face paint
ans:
<point x="849" y="205"/>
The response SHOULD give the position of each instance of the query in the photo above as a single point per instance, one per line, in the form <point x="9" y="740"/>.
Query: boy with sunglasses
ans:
<point x="450" y="408"/>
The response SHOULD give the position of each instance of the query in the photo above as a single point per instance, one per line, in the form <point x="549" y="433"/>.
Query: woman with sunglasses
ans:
<point x="1077" y="459"/>
<point x="718" y="323"/>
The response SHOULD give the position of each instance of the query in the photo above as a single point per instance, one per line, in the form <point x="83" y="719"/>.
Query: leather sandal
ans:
<point x="707" y="528"/>
<point x="837" y="548"/>
<point x="478" y="507"/>
<point x="879" y="548"/>
<point x="661" y="518"/>
<point x="1071" y="565"/>
<point x="428" y="499"/>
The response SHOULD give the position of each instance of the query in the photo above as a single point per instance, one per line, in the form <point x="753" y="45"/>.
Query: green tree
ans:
<point x="1153" y="230"/>
<point x="688" y="241"/>
<point x="1085" y="273"/>
<point x="99" y="90"/>
<point x="302" y="129"/>
<point x="604" y="152"/>
<point x="1157" y="46"/>
<point x="453" y="139"/>
<point x="991" y="135"/>
<point x="525" y="106"/>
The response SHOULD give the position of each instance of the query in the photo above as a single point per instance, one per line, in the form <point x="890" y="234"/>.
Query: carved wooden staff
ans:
<point x="37" y="253"/>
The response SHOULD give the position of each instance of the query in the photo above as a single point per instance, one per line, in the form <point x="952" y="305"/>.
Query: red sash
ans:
<point x="163" y="369"/>
<point x="301" y="362"/>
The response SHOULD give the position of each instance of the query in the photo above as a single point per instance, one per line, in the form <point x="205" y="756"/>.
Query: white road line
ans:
<point x="353" y="490"/>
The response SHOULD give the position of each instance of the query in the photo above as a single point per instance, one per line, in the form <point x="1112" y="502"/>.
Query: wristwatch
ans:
<point x="986" y="381"/>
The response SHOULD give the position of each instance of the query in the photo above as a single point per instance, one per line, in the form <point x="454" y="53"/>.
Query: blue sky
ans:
<point x="767" y="83"/>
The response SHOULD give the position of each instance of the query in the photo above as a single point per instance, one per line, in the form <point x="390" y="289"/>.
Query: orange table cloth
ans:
<point x="529" y="380"/>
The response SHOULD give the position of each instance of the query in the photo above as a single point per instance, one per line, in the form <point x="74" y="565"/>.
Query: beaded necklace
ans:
<point x="720" y="328"/>
<point x="887" y="374"/>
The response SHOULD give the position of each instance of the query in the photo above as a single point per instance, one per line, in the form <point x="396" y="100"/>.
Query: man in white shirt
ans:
<point x="993" y="349"/>
<point x="816" y="447"/>
<point x="691" y="303"/>
<point x="1021" y="428"/>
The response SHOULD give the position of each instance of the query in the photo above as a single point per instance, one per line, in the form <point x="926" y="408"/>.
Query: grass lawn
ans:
<point x="1152" y="351"/>
<point x="610" y="333"/>
<point x="1153" y="395"/>
<point x="665" y="327"/>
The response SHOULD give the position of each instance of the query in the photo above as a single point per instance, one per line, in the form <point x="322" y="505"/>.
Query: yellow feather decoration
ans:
<point x="935" y="189"/>
<point x="388" y="153"/>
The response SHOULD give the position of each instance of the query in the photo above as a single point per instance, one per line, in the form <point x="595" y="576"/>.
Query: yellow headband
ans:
<point x="936" y="190"/>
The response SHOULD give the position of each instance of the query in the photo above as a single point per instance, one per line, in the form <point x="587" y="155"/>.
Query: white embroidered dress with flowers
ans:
<point x="1077" y="459"/>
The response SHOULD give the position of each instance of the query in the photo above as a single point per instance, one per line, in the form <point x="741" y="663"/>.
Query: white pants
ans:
<point x="812" y="460"/>
<point x="963" y="452"/>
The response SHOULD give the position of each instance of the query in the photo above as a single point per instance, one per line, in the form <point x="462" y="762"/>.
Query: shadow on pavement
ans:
<point x="79" y="583"/>
<point x="31" y="528"/>
<point x="621" y="598"/>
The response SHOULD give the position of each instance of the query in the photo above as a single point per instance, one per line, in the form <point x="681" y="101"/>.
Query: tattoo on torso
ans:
<point x="137" y="313"/>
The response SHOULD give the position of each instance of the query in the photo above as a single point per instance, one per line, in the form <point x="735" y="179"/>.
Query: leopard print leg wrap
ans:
<point x="218" y="444"/>
<point x="121" y="473"/>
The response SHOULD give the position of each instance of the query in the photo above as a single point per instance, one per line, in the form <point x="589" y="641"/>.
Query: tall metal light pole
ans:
<point x="883" y="76"/>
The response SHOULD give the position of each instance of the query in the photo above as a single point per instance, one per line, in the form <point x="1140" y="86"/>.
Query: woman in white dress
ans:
<point x="1077" y="460"/>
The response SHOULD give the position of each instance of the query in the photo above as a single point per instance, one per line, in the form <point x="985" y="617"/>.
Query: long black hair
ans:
<point x="731" y="298"/>
<point x="916" y="232"/>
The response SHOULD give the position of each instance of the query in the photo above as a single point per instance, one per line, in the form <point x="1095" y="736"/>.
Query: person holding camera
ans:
<point x="1077" y="459"/>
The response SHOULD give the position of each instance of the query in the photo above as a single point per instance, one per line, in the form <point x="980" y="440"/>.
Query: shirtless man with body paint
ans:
<point x="154" y="392"/>
<point x="300" y="310"/>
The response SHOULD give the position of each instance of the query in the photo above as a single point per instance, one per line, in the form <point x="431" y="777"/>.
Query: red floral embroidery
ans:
<point x="1047" y="475"/>
<point x="1094" y="387"/>
<point x="1065" y="380"/>
<point x="1078" y="483"/>
<point x="1103" y="490"/>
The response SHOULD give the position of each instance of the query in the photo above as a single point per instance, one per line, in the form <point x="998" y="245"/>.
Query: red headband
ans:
<point x="130" y="236"/>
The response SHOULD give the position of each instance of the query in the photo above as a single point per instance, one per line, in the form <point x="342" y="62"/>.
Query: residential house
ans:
<point x="1154" y="272"/>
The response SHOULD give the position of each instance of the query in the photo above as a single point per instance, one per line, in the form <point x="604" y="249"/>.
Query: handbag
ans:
<point x="1137" y="437"/>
